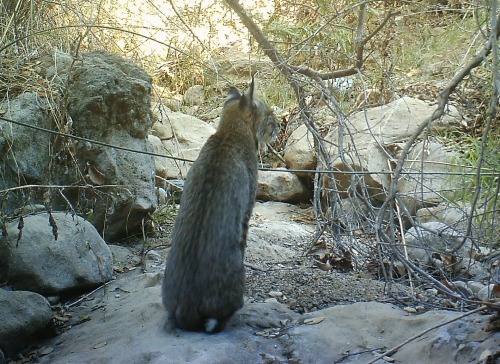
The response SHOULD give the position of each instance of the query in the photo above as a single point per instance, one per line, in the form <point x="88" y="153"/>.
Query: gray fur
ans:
<point x="204" y="278"/>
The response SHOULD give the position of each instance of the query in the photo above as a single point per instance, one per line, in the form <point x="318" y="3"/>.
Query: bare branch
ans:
<point x="285" y="68"/>
<point x="359" y="48"/>
<point x="266" y="46"/>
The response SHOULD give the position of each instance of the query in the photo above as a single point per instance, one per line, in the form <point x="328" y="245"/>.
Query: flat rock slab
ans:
<point x="127" y="324"/>
<point x="355" y="333"/>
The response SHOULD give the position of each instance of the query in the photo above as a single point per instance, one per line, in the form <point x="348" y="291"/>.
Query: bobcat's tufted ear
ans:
<point x="233" y="94"/>
<point x="248" y="98"/>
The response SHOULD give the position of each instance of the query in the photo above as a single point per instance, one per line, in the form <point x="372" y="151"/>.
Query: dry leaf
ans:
<point x="496" y="291"/>
<point x="314" y="320"/>
<point x="100" y="345"/>
<point x="485" y="355"/>
<point x="96" y="177"/>
<point x="44" y="351"/>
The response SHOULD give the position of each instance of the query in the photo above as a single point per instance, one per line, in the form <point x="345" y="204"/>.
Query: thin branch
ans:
<point x="359" y="48"/>
<point x="491" y="115"/>
<point x="259" y="36"/>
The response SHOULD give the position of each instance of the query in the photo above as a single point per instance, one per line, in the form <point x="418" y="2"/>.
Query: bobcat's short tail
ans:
<point x="212" y="325"/>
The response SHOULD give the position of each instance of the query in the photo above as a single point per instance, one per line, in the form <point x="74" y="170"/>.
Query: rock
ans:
<point x="354" y="333"/>
<point x="389" y="126"/>
<point x="190" y="134"/>
<point x="445" y="213"/>
<point x="24" y="152"/>
<point x="488" y="292"/>
<point x="195" y="95"/>
<point x="23" y="315"/>
<point x="348" y="331"/>
<point x="433" y="161"/>
<point x="138" y="315"/>
<point x="160" y="162"/>
<point x="108" y="101"/>
<point x="79" y="259"/>
<point x="435" y="241"/>
<point x="397" y="120"/>
<point x="299" y="150"/>
<point x="475" y="287"/>
<point x="281" y="186"/>
<point x="123" y="257"/>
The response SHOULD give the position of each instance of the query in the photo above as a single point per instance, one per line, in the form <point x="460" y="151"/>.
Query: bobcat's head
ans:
<point x="257" y="114"/>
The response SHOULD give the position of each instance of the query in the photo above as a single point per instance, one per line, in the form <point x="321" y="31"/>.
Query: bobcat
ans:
<point x="204" y="278"/>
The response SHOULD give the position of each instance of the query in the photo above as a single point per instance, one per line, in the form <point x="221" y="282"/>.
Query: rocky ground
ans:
<point x="294" y="313"/>
<point x="279" y="267"/>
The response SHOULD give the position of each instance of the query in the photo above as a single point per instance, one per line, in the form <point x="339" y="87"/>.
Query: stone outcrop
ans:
<point x="354" y="333"/>
<point x="108" y="100"/>
<point x="375" y="139"/>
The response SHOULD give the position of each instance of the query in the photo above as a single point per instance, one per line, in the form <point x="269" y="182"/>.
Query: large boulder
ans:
<point x="360" y="332"/>
<point x="23" y="315"/>
<point x="375" y="140"/>
<point x="68" y="256"/>
<point x="108" y="100"/>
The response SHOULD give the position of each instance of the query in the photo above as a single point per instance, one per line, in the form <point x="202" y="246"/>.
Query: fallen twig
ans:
<point x="89" y="294"/>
